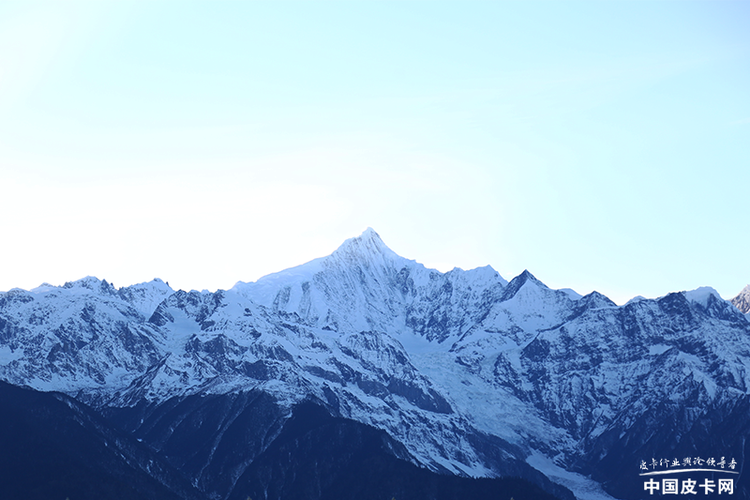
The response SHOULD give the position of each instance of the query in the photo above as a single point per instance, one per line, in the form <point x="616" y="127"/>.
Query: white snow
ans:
<point x="700" y="295"/>
<point x="572" y="294"/>
<point x="637" y="298"/>
<point x="364" y="300"/>
<point x="8" y="355"/>
<point x="657" y="349"/>
<point x="582" y="487"/>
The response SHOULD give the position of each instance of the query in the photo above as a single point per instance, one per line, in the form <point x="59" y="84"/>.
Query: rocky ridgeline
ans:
<point x="462" y="372"/>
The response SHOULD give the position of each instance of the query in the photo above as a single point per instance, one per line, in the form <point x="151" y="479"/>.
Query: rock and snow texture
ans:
<point x="364" y="285"/>
<point x="469" y="371"/>
<point x="742" y="300"/>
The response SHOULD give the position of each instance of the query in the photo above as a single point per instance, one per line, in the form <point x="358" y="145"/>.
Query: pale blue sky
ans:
<point x="601" y="145"/>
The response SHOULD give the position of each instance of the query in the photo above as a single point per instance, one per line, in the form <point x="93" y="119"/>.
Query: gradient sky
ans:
<point x="600" y="145"/>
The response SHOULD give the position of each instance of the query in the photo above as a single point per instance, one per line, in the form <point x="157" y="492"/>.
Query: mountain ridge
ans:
<point x="472" y="374"/>
<point x="742" y="300"/>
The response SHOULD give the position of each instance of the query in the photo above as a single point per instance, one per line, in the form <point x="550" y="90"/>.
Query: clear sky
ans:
<point x="600" y="145"/>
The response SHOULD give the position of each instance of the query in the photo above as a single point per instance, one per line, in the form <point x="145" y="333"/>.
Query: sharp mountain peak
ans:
<point x="367" y="245"/>
<point x="742" y="300"/>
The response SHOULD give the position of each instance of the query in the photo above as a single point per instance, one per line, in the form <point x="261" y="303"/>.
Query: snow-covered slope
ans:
<point x="364" y="285"/>
<point x="474" y="375"/>
<point x="146" y="297"/>
<point x="78" y="337"/>
<point x="742" y="300"/>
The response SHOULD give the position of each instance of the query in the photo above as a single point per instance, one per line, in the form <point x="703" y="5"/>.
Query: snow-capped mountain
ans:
<point x="463" y="372"/>
<point x="364" y="286"/>
<point x="742" y="300"/>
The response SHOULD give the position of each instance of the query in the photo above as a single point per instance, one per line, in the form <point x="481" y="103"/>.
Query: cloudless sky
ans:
<point x="600" y="145"/>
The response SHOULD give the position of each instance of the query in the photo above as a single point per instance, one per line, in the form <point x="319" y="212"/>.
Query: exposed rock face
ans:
<point x="462" y="373"/>
<point x="742" y="300"/>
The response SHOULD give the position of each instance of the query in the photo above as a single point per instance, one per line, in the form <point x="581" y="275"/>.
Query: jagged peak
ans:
<point x="369" y="233"/>
<point x="742" y="300"/>
<point x="367" y="245"/>
<point x="484" y="274"/>
<point x="519" y="281"/>
<point x="263" y="289"/>
<point x="701" y="295"/>
<point x="91" y="283"/>
<point x="366" y="253"/>
<point x="156" y="283"/>
<point x="527" y="276"/>
<point x="146" y="296"/>
<point x="596" y="299"/>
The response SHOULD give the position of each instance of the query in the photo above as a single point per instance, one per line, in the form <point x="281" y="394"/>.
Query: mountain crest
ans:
<point x="91" y="283"/>
<point x="469" y="375"/>
<point x="701" y="295"/>
<point x="516" y="283"/>
<point x="368" y="246"/>
<point x="742" y="300"/>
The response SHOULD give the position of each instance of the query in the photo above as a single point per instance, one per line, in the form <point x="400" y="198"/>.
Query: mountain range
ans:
<point x="367" y="375"/>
